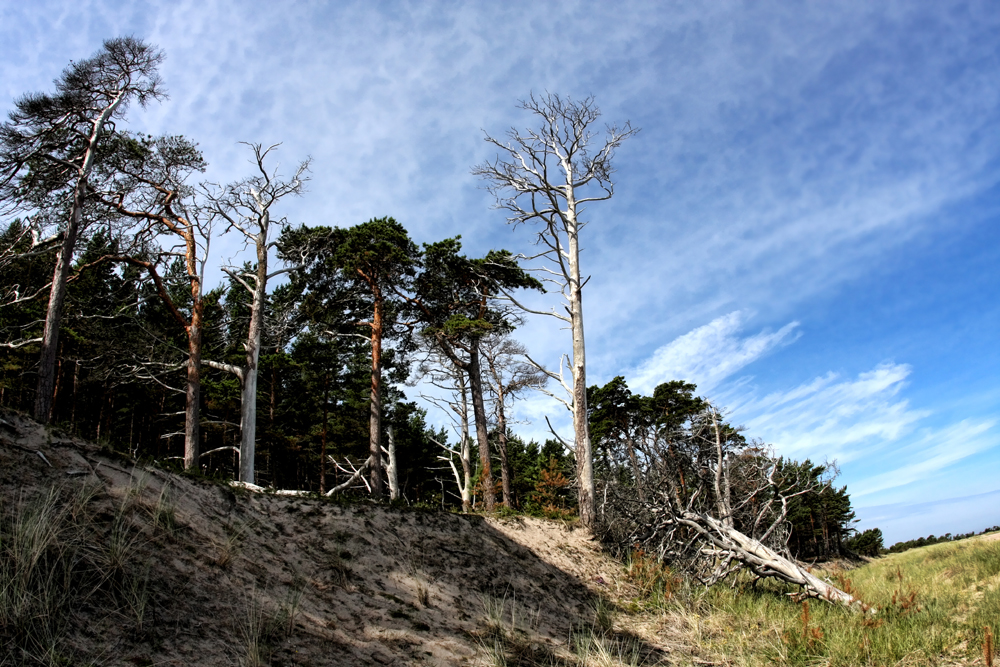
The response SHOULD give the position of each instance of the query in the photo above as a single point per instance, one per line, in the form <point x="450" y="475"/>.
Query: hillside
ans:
<point x="165" y="569"/>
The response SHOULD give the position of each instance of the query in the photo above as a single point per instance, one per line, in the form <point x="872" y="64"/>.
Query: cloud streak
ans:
<point x="709" y="354"/>
<point x="831" y="416"/>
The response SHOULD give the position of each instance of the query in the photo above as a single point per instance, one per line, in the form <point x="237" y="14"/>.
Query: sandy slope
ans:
<point x="376" y="585"/>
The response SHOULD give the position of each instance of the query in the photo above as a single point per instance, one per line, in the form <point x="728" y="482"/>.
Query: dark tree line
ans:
<point x="931" y="539"/>
<point x="121" y="371"/>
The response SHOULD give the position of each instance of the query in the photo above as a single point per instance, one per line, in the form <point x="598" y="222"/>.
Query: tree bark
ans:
<point x="581" y="429"/>
<point x="192" y="404"/>
<point x="248" y="400"/>
<point x="482" y="435"/>
<point x="53" y="314"/>
<point x="465" y="448"/>
<point x="391" y="471"/>
<point x="322" y="448"/>
<point x="375" y="400"/>
<point x="505" y="469"/>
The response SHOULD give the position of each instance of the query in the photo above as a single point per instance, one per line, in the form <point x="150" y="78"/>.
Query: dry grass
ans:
<point x="936" y="606"/>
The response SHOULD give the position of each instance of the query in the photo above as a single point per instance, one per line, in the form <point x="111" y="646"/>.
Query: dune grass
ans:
<point x="936" y="605"/>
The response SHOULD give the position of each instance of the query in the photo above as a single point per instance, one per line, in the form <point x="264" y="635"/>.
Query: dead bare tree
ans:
<point x="356" y="472"/>
<point x="508" y="375"/>
<point x="246" y="206"/>
<point x="714" y="504"/>
<point x="453" y="399"/>
<point x="548" y="176"/>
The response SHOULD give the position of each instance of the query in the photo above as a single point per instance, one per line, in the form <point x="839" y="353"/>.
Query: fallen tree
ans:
<point x="679" y="483"/>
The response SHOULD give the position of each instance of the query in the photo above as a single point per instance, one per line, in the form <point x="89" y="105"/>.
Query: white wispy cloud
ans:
<point x="929" y="454"/>
<point x="709" y="354"/>
<point x="831" y="416"/>
<point x="887" y="449"/>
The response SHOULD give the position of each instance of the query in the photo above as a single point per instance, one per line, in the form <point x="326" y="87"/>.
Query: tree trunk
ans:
<point x="465" y="448"/>
<point x="192" y="404"/>
<point x="375" y="401"/>
<point x="505" y="470"/>
<point x="72" y="412"/>
<point x="57" y="293"/>
<point x="482" y="435"/>
<point x="53" y="314"/>
<point x="391" y="471"/>
<point x="322" y="447"/>
<point x="581" y="429"/>
<point x="248" y="401"/>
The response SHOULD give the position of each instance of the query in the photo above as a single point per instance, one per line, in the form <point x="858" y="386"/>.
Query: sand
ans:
<point x="369" y="585"/>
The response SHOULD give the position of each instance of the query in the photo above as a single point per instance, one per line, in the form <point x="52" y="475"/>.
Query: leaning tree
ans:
<point x="48" y="150"/>
<point x="148" y="184"/>
<point x="685" y="486"/>
<point x="547" y="176"/>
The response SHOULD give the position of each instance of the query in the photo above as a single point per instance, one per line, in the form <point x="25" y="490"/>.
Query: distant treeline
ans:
<point x="931" y="539"/>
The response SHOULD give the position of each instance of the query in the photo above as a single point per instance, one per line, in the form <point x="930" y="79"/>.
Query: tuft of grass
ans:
<point x="135" y="594"/>
<point x="37" y="558"/>
<point x="603" y="650"/>
<point x="254" y="625"/>
<point x="290" y="607"/>
<point x="164" y="512"/>
<point x="505" y="638"/>
<point x="655" y="582"/>
<point x="229" y="548"/>
<point x="604" y="615"/>
<point x="117" y="552"/>
<point x="258" y="625"/>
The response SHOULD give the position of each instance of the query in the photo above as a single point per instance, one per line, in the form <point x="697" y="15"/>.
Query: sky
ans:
<point x="806" y="226"/>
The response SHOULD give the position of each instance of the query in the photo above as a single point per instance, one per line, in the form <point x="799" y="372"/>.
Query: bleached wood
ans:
<point x="246" y="207"/>
<point x="539" y="180"/>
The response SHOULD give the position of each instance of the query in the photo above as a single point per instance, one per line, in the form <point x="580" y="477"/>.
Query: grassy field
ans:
<point x="935" y="606"/>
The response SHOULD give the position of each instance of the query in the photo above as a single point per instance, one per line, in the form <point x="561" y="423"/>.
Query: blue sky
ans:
<point x="806" y="226"/>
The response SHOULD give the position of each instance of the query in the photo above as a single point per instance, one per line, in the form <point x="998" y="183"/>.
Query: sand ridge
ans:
<point x="372" y="585"/>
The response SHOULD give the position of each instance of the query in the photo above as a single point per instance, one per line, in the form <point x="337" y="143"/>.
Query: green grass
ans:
<point x="57" y="556"/>
<point x="933" y="604"/>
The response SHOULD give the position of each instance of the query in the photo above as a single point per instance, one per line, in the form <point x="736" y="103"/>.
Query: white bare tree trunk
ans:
<point x="764" y="561"/>
<point x="391" y="470"/>
<point x="523" y="185"/>
<point x="248" y="399"/>
<point x="246" y="206"/>
<point x="581" y="428"/>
